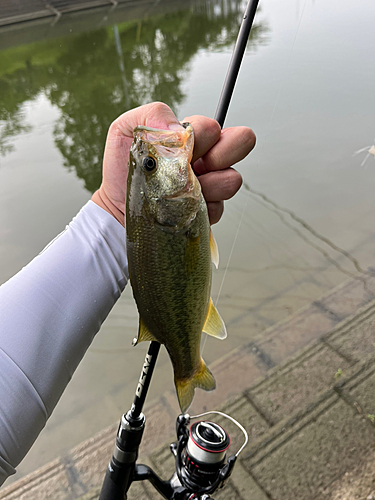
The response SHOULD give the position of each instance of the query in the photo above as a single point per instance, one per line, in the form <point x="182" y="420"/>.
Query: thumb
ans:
<point x="159" y="115"/>
<point x="154" y="114"/>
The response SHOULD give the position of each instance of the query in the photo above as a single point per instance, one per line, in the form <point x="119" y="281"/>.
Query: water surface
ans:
<point x="305" y="87"/>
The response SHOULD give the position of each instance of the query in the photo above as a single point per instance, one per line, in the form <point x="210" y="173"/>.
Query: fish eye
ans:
<point x="149" y="163"/>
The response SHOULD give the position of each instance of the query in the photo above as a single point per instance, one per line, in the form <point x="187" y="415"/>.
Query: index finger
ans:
<point x="234" y="145"/>
<point x="206" y="134"/>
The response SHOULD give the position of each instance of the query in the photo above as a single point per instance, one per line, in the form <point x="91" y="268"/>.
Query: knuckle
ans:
<point x="232" y="183"/>
<point x="113" y="125"/>
<point x="215" y="211"/>
<point x="113" y="129"/>
<point x="158" y="107"/>
<point x="210" y="128"/>
<point x="214" y="158"/>
<point x="215" y="128"/>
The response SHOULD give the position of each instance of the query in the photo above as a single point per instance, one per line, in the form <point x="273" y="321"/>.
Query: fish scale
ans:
<point x="169" y="300"/>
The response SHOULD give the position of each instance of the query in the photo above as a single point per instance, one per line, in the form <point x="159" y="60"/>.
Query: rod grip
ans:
<point x="112" y="489"/>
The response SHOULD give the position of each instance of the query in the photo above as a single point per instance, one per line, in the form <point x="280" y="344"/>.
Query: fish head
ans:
<point x="161" y="184"/>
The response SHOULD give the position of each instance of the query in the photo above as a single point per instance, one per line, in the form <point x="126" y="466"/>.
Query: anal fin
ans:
<point x="214" y="325"/>
<point x="214" y="250"/>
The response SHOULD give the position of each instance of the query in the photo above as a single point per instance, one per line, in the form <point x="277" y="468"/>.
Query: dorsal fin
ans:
<point x="214" y="325"/>
<point x="214" y="250"/>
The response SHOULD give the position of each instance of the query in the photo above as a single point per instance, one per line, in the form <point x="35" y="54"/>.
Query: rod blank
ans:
<point x="235" y="63"/>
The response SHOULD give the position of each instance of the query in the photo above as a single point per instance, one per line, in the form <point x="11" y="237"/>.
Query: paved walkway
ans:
<point x="304" y="390"/>
<point x="20" y="11"/>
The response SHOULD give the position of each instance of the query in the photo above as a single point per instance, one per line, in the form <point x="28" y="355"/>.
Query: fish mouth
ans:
<point x="167" y="138"/>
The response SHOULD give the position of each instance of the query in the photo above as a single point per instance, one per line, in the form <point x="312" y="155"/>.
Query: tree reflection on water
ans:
<point x="95" y="76"/>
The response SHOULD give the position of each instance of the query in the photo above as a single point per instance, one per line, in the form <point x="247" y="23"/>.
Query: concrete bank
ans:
<point x="304" y="391"/>
<point x="13" y="12"/>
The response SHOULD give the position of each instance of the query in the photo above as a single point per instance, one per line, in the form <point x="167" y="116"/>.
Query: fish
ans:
<point x="170" y="250"/>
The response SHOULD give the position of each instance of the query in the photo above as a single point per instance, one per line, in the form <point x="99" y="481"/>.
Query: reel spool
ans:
<point x="204" y="453"/>
<point x="200" y="454"/>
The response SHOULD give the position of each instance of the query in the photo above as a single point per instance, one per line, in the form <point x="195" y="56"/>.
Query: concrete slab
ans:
<point x="298" y="383"/>
<point x="229" y="493"/>
<point x="233" y="373"/>
<point x="357" y="340"/>
<point x="89" y="461"/>
<point x="317" y="450"/>
<point x="91" y="495"/>
<point x="347" y="298"/>
<point x="244" y="484"/>
<point x="137" y="491"/>
<point x="362" y="392"/>
<point x="287" y="340"/>
<point x="241" y="410"/>
<point x="52" y="477"/>
<point x="317" y="319"/>
<point x="358" y="484"/>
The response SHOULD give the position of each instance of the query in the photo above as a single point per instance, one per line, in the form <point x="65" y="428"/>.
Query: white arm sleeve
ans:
<point x="49" y="314"/>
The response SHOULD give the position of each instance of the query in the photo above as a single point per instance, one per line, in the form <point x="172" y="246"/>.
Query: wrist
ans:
<point x="101" y="199"/>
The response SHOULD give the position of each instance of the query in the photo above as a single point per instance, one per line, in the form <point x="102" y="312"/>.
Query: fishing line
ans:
<point x="228" y="261"/>
<point x="266" y="139"/>
<point x="231" y="251"/>
<point x="269" y="125"/>
<point x="287" y="65"/>
<point x="226" y="95"/>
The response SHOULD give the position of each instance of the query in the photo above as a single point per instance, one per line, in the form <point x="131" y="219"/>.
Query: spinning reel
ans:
<point x="200" y="455"/>
<point x="200" y="458"/>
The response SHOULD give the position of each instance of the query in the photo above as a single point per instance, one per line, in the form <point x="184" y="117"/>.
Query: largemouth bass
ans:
<point x="170" y="247"/>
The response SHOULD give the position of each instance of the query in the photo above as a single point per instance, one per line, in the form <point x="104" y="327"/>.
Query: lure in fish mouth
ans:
<point x="170" y="248"/>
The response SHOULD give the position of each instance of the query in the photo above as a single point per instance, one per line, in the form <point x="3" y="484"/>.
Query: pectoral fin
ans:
<point x="214" y="325"/>
<point x="144" y="334"/>
<point x="214" y="250"/>
<point x="202" y="378"/>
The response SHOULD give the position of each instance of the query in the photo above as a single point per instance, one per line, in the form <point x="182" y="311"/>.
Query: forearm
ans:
<point x="49" y="314"/>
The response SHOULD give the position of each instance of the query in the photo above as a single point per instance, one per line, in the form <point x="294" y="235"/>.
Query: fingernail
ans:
<point x="175" y="126"/>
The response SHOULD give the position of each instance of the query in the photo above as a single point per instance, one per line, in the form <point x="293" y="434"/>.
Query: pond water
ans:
<point x="304" y="217"/>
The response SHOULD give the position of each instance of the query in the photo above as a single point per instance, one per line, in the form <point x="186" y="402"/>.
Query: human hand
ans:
<point x="215" y="151"/>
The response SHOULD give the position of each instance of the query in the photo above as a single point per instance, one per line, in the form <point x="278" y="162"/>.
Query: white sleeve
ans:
<point x="49" y="314"/>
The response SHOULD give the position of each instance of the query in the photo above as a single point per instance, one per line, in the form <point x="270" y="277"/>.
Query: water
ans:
<point x="305" y="87"/>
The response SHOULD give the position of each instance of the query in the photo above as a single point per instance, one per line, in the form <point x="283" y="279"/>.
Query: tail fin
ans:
<point x="202" y="378"/>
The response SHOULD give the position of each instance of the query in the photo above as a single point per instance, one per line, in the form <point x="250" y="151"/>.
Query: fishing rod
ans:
<point x="235" y="63"/>
<point x="206" y="442"/>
